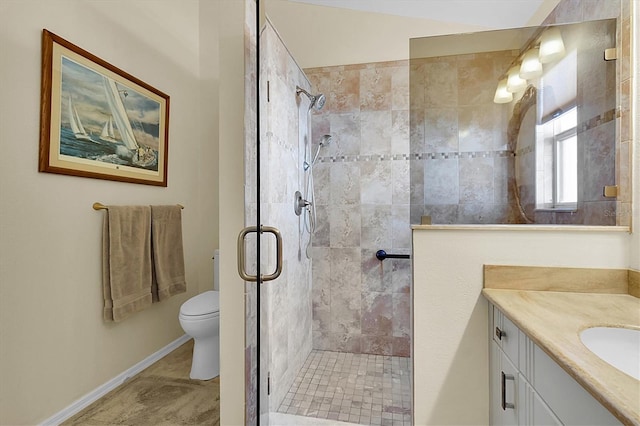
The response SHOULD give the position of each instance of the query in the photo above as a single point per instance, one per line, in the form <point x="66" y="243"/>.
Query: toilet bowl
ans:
<point x="200" y="319"/>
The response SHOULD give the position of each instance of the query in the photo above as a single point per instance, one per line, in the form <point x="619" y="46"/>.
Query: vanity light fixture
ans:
<point x="502" y="95"/>
<point x="514" y="82"/>
<point x="531" y="66"/>
<point x="551" y="46"/>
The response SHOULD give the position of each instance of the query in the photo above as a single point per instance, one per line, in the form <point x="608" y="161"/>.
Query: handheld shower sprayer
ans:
<point x="308" y="202"/>
<point x="324" y="141"/>
<point x="317" y="101"/>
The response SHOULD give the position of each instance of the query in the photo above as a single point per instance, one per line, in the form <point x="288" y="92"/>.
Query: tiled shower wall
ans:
<point x="461" y="167"/>
<point x="285" y="302"/>
<point x="360" y="304"/>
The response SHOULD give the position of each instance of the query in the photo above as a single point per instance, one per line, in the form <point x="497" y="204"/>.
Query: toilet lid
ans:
<point x="202" y="304"/>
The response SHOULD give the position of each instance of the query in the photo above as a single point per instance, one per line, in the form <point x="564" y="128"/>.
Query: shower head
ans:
<point x="324" y="141"/>
<point x="317" y="101"/>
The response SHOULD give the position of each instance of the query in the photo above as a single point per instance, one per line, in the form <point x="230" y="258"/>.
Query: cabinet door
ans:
<point x="542" y="414"/>
<point x="570" y="402"/>
<point x="505" y="334"/>
<point x="504" y="389"/>
<point x="532" y="409"/>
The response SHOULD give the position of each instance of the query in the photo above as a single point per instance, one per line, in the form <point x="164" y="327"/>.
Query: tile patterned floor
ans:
<point x="162" y="394"/>
<point x="355" y="388"/>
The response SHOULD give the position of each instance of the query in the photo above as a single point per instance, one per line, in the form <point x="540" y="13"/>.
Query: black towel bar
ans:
<point x="382" y="255"/>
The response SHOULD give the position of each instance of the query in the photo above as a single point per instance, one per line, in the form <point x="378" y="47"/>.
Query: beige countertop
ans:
<point x="511" y="227"/>
<point x="554" y="320"/>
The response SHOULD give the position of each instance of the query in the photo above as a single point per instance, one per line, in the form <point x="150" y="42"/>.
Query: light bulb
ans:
<point x="551" y="46"/>
<point x="502" y="95"/>
<point x="514" y="82"/>
<point x="531" y="66"/>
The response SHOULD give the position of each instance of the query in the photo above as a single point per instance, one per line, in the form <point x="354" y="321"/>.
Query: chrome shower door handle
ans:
<point x="242" y="256"/>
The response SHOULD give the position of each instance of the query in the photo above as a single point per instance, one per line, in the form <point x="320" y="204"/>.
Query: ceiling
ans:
<point x="485" y="13"/>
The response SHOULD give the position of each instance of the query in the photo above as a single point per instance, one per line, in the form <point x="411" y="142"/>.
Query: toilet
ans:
<point x="200" y="319"/>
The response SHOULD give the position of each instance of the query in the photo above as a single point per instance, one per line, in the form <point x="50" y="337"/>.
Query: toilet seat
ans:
<point x="202" y="306"/>
<point x="196" y="318"/>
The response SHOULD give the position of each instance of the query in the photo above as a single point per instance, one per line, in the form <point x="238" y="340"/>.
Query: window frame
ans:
<point x="549" y="140"/>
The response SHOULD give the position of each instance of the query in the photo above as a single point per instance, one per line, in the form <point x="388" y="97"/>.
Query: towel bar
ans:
<point x="382" y="255"/>
<point x="100" y="206"/>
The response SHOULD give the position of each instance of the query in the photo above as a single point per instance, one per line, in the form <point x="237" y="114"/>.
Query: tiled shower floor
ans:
<point x="355" y="388"/>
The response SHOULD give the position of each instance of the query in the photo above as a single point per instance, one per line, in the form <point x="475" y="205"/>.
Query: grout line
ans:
<point x="358" y="388"/>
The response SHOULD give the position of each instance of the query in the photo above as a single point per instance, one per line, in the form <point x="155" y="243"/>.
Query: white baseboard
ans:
<point x="107" y="387"/>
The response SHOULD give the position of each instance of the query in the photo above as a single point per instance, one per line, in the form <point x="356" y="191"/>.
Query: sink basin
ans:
<point x="619" y="347"/>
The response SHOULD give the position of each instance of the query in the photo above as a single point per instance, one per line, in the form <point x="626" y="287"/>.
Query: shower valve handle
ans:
<point x="299" y="203"/>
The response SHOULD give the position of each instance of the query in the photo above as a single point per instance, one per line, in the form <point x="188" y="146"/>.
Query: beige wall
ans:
<point x="326" y="36"/>
<point x="54" y="346"/>
<point x="208" y="161"/>
<point x="230" y="19"/>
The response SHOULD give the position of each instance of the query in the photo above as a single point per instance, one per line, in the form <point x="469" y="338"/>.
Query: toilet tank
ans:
<point x="216" y="270"/>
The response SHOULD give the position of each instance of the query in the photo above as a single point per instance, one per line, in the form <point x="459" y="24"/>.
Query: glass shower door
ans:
<point x="284" y="332"/>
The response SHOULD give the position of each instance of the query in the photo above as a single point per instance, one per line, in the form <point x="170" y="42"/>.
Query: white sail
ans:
<point x="79" y="123"/>
<point x="105" y="130"/>
<point x="76" y="125"/>
<point x="119" y="113"/>
<point x="72" y="118"/>
<point x="108" y="135"/>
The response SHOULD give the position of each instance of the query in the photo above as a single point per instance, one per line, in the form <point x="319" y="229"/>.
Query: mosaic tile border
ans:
<point x="599" y="120"/>
<point x="524" y="151"/>
<point x="418" y="156"/>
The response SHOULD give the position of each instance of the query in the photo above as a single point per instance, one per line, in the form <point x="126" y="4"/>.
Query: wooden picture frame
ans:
<point x="98" y="121"/>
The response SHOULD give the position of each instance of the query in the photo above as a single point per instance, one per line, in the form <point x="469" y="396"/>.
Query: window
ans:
<point x="566" y="170"/>
<point x="557" y="159"/>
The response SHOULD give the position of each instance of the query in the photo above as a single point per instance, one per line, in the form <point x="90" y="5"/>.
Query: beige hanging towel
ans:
<point x="168" y="255"/>
<point x="126" y="261"/>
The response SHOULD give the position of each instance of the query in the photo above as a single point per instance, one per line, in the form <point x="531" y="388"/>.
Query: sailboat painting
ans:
<point x="103" y="122"/>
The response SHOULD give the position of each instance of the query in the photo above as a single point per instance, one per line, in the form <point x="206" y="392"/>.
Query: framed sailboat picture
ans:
<point x="98" y="121"/>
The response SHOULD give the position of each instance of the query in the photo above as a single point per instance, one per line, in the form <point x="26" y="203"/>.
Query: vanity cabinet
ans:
<point x="527" y="387"/>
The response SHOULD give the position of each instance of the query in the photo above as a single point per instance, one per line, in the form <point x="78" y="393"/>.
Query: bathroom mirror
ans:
<point x="519" y="126"/>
